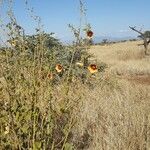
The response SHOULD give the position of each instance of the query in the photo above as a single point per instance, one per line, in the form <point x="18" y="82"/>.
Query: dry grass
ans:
<point x="124" y="58"/>
<point x="115" y="117"/>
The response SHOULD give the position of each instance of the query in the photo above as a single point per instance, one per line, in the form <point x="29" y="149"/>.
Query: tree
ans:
<point x="105" y="41"/>
<point x="32" y="41"/>
<point x="145" y="36"/>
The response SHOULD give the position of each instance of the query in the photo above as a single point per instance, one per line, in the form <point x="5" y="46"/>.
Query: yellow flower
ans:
<point x="92" y="68"/>
<point x="59" y="68"/>
<point x="80" y="64"/>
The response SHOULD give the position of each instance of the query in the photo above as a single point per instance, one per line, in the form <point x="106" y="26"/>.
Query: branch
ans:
<point x="144" y="44"/>
<point x="133" y="28"/>
<point x="140" y="44"/>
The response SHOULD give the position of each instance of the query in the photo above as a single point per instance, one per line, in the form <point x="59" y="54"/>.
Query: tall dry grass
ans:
<point x="115" y="117"/>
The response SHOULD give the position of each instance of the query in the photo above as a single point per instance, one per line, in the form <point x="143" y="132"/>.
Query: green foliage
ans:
<point x="146" y="34"/>
<point x="28" y="127"/>
<point x="47" y="41"/>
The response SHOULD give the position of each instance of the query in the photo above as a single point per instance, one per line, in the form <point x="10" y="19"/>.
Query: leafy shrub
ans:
<point x="39" y="76"/>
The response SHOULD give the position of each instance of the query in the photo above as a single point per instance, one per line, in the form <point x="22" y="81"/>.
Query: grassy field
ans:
<point x="109" y="111"/>
<point x="126" y="60"/>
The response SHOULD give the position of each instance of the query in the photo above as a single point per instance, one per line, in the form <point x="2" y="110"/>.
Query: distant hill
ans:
<point x="98" y="39"/>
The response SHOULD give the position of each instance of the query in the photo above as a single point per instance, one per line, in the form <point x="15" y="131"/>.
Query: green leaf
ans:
<point x="25" y="128"/>
<point x="37" y="145"/>
<point x="68" y="146"/>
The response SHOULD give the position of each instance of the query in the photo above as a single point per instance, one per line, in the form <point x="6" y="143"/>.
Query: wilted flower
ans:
<point x="89" y="34"/>
<point x="59" y="68"/>
<point x="92" y="68"/>
<point x="80" y="64"/>
<point x="50" y="76"/>
<point x="6" y="130"/>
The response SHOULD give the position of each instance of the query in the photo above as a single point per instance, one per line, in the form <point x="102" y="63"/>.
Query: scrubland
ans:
<point x="110" y="110"/>
<point x="74" y="97"/>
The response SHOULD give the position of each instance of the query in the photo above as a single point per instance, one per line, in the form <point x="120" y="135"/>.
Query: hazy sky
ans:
<point x="107" y="17"/>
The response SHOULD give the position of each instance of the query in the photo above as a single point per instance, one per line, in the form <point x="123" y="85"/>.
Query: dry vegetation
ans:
<point x="126" y="105"/>
<point x="44" y="107"/>
<point x="104" y="113"/>
<point x="125" y="58"/>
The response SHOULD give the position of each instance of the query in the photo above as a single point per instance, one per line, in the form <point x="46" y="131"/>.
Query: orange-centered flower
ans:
<point x="59" y="68"/>
<point x="89" y="33"/>
<point x="92" y="68"/>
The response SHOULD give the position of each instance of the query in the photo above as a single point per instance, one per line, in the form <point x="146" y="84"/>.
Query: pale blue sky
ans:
<point x="107" y="17"/>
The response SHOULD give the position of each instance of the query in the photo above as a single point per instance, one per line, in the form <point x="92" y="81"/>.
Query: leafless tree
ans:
<point x="145" y="36"/>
